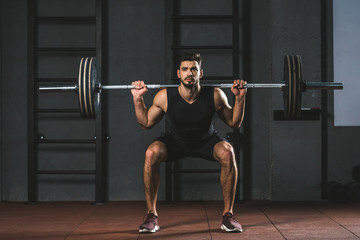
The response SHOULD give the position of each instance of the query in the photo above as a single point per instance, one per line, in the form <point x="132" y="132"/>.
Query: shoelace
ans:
<point x="230" y="217"/>
<point x="149" y="216"/>
<point x="228" y="214"/>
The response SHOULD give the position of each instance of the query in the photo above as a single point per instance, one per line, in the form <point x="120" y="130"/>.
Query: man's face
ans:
<point x="189" y="73"/>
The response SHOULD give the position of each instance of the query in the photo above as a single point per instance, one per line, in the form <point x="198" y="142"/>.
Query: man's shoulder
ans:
<point x="218" y="92"/>
<point x="219" y="98"/>
<point x="162" y="93"/>
<point x="160" y="98"/>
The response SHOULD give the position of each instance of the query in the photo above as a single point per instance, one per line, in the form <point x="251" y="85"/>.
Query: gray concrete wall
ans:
<point x="285" y="155"/>
<point x="295" y="146"/>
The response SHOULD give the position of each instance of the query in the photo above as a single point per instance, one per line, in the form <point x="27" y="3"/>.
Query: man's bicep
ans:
<point x="155" y="114"/>
<point x="222" y="106"/>
<point x="225" y="114"/>
<point x="157" y="110"/>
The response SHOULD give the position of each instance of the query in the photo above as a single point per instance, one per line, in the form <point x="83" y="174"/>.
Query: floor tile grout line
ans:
<point x="207" y="219"/>
<point x="139" y="235"/>
<point x="86" y="218"/>
<point x="262" y="210"/>
<point x="338" y="223"/>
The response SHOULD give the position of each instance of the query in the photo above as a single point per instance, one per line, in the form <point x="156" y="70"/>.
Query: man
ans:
<point x="190" y="108"/>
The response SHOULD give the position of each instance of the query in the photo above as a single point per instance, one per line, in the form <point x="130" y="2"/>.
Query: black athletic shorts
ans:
<point x="179" y="149"/>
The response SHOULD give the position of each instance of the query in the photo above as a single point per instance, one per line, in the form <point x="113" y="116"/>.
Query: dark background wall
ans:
<point x="0" y="105"/>
<point x="285" y="155"/>
<point x="13" y="100"/>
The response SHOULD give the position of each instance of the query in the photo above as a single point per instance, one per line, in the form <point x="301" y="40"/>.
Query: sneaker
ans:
<point x="230" y="224"/>
<point x="150" y="224"/>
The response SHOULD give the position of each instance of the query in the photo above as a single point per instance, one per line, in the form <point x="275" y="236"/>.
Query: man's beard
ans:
<point x="189" y="85"/>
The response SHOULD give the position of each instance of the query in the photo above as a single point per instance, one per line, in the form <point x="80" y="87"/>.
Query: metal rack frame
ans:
<point x="100" y="171"/>
<point x="170" y="18"/>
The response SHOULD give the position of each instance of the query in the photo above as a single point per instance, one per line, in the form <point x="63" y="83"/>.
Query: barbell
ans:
<point x="89" y="87"/>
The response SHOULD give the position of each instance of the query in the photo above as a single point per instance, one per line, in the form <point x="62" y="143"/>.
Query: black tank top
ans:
<point x="191" y="122"/>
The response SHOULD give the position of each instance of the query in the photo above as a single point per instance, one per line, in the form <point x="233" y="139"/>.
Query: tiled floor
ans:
<point x="182" y="220"/>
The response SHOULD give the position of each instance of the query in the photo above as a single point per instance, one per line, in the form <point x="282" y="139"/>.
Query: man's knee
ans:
<point x="224" y="154"/>
<point x="155" y="153"/>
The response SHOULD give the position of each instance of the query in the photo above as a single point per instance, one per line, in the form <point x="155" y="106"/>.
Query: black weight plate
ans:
<point x="299" y="86"/>
<point x="337" y="192"/>
<point x="292" y="91"/>
<point x="92" y="81"/>
<point x="292" y="88"/>
<point x="90" y="90"/>
<point x="87" y="87"/>
<point x="80" y="87"/>
<point x="356" y="172"/>
<point x="287" y="77"/>
<point x="85" y="96"/>
<point x="354" y="188"/>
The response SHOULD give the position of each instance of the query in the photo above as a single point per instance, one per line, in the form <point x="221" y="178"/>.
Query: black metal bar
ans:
<point x="236" y="75"/>
<point x="54" y="110"/>
<point x="65" y="172"/>
<point x="64" y="49"/>
<point x="169" y="181"/>
<point x="326" y="14"/>
<point x="69" y="141"/>
<point x="306" y="115"/>
<point x="195" y="171"/>
<point x="32" y="187"/>
<point x="59" y="19"/>
<point x="246" y="146"/>
<point x="201" y="17"/>
<point x="169" y="56"/>
<point x="100" y="159"/>
<point x="33" y="140"/>
<point x="209" y="47"/>
<point x="56" y="80"/>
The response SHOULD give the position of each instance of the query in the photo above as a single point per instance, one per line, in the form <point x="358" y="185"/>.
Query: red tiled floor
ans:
<point x="328" y="234"/>
<point x="255" y="223"/>
<point x="181" y="220"/>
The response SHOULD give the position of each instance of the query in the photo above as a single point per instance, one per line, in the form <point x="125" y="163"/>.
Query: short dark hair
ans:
<point x="189" y="56"/>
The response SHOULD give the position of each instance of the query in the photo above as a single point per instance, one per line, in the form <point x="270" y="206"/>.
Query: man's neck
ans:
<point x="189" y="94"/>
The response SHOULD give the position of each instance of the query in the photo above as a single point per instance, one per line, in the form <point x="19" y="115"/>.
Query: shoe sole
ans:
<point x="157" y="228"/>
<point x="223" y="227"/>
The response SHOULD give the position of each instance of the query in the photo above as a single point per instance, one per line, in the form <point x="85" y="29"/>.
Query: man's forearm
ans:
<point x="141" y="111"/>
<point x="238" y="111"/>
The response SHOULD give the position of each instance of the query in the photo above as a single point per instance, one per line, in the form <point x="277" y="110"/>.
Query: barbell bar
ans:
<point x="89" y="87"/>
<point x="99" y="87"/>
<point x="309" y="85"/>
